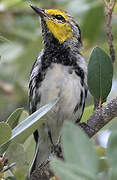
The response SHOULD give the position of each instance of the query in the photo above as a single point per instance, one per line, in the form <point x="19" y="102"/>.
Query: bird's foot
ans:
<point x="56" y="150"/>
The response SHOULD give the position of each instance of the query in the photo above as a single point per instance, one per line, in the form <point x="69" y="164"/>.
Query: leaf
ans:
<point x="15" y="153"/>
<point x="100" y="73"/>
<point x="14" y="117"/>
<point x="68" y="171"/>
<point x="21" y="132"/>
<point x="112" y="174"/>
<point x="112" y="149"/>
<point x="111" y="155"/>
<point x="29" y="147"/>
<point x="88" y="111"/>
<point x="5" y="132"/>
<point x="4" y="147"/>
<point x="23" y="116"/>
<point x="78" y="149"/>
<point x="21" y="173"/>
<point x="12" y="122"/>
<point x="2" y="38"/>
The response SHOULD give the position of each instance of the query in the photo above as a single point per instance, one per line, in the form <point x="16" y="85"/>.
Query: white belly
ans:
<point x="58" y="83"/>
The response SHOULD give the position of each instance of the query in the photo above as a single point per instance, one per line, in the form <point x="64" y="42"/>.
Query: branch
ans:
<point x="100" y="118"/>
<point x="109" y="10"/>
<point x="43" y="173"/>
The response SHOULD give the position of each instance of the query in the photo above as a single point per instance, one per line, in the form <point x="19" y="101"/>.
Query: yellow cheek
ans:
<point x="59" y="30"/>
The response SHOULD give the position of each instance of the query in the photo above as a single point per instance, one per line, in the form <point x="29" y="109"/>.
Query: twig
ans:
<point x="43" y="173"/>
<point x="109" y="10"/>
<point x="100" y="118"/>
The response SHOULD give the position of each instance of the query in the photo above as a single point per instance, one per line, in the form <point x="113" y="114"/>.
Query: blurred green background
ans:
<point x="21" y="42"/>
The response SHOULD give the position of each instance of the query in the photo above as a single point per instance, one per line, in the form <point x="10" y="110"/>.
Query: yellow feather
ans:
<point x="61" y="31"/>
<point x="55" y="12"/>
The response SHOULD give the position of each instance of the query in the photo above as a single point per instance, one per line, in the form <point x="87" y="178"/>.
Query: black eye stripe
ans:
<point x="59" y="17"/>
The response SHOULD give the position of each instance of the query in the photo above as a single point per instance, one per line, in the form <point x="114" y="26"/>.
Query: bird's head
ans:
<point x="60" y="24"/>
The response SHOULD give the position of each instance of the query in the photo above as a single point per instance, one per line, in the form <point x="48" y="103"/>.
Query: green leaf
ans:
<point x="4" y="147"/>
<point x="29" y="147"/>
<point x="15" y="153"/>
<point x="21" y="173"/>
<point x="21" y="132"/>
<point x="111" y="155"/>
<point x="112" y="174"/>
<point x="5" y="132"/>
<point x="100" y="73"/>
<point x="88" y="111"/>
<point x="2" y="38"/>
<point x="78" y="149"/>
<point x="68" y="171"/>
<point x="112" y="149"/>
<point x="23" y="116"/>
<point x="14" y="117"/>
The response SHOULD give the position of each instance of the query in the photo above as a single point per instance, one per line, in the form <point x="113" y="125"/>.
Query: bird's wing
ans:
<point x="34" y="81"/>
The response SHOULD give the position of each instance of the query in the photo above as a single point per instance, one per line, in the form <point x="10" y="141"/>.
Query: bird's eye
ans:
<point x="59" y="17"/>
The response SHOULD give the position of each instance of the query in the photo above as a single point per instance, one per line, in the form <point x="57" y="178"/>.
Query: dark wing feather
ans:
<point x="34" y="83"/>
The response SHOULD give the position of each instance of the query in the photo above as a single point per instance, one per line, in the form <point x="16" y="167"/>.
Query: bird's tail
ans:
<point x="42" y="153"/>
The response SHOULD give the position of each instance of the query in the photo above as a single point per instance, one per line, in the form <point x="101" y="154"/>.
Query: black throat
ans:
<point x="54" y="51"/>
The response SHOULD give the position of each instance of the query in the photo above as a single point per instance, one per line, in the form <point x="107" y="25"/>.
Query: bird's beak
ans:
<point x="39" y="11"/>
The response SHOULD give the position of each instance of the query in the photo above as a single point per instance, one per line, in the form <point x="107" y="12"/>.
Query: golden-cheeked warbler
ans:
<point x="60" y="71"/>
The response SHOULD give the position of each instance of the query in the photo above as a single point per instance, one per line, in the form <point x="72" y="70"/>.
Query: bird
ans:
<point x="60" y="71"/>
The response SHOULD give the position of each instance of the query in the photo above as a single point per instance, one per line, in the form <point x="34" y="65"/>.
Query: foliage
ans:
<point x="100" y="74"/>
<point x="5" y="132"/>
<point x="81" y="160"/>
<point x="11" y="140"/>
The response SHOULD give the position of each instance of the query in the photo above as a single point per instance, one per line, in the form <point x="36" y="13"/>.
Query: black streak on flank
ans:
<point x="81" y="98"/>
<point x="79" y="104"/>
<point x="78" y="120"/>
<point x="76" y="108"/>
<point x="85" y="93"/>
<point x="80" y="73"/>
